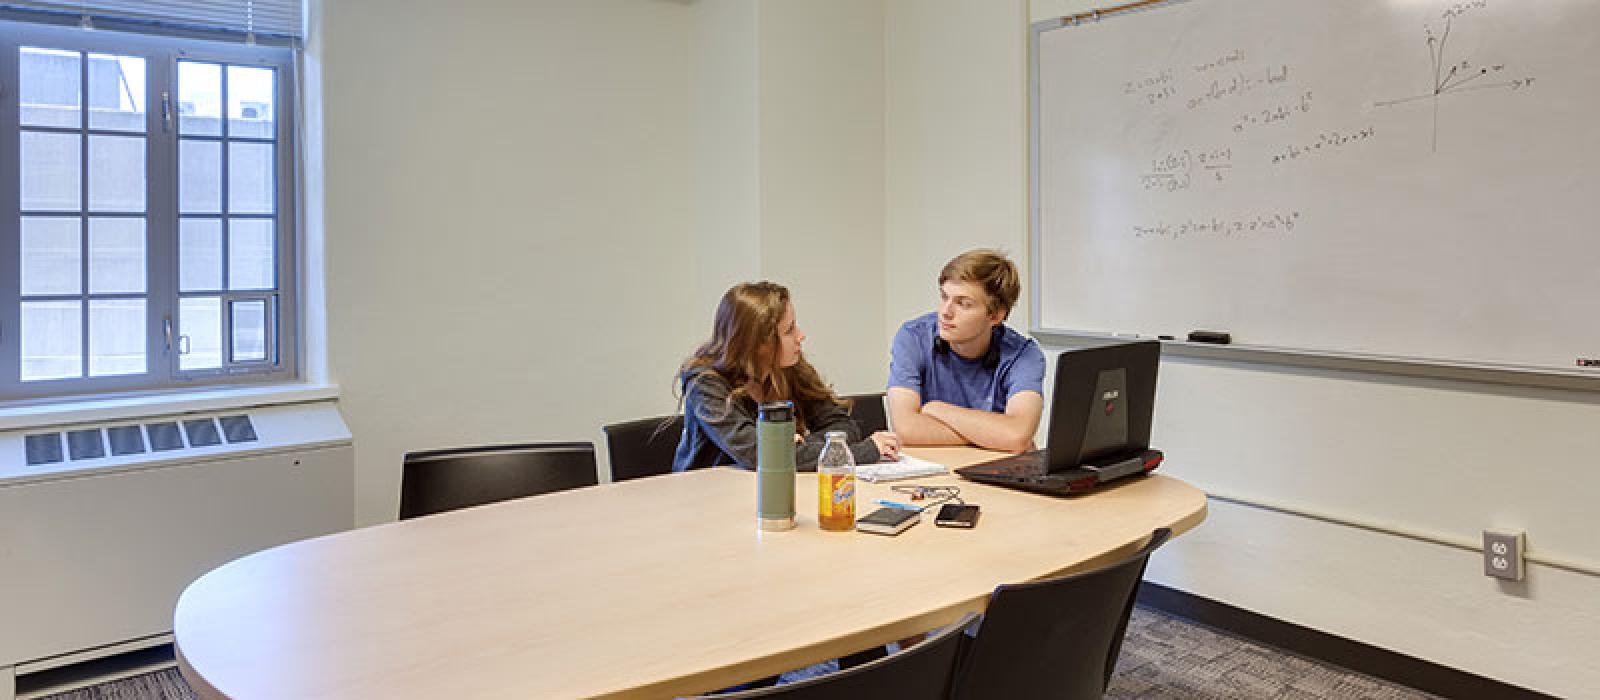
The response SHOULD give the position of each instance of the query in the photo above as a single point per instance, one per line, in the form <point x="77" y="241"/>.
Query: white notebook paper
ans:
<point x="907" y="467"/>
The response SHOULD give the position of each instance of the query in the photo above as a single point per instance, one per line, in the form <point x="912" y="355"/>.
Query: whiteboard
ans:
<point x="1399" y="178"/>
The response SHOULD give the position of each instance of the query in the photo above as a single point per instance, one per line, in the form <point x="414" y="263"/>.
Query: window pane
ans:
<point x="200" y="329"/>
<point x="200" y="255"/>
<point x="50" y="171"/>
<point x="250" y="330"/>
<point x="199" y="98"/>
<point x="116" y="173"/>
<point x="52" y="340"/>
<point x="250" y="183"/>
<point x="50" y="87"/>
<point x="116" y="258"/>
<point x="51" y="255"/>
<point x="250" y="110"/>
<point x="116" y="92"/>
<point x="116" y="337"/>
<point x="200" y="177"/>
<point x="250" y="258"/>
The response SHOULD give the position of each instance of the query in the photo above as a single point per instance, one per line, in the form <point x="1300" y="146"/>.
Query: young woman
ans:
<point x="754" y="357"/>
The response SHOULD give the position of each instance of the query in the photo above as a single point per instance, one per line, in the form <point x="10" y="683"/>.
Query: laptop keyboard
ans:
<point x="1025" y="464"/>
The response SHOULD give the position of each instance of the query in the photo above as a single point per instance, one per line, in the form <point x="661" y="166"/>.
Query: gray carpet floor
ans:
<point x="1169" y="657"/>
<point x="1162" y="657"/>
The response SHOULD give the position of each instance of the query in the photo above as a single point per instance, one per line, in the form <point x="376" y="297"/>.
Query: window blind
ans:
<point x="241" y="18"/>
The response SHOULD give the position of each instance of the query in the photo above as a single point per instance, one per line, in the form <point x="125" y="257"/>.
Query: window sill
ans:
<point x="100" y="410"/>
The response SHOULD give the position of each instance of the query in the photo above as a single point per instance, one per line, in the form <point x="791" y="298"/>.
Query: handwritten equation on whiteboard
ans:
<point x="1254" y="224"/>
<point x="1254" y="101"/>
<point x="1251" y="117"/>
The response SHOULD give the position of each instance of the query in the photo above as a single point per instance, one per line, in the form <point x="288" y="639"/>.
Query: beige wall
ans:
<point x="530" y="209"/>
<point x="509" y="220"/>
<point x="726" y="128"/>
<point x="822" y="131"/>
<point x="956" y="143"/>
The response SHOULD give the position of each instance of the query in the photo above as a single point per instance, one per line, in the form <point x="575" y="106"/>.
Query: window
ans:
<point x="147" y="196"/>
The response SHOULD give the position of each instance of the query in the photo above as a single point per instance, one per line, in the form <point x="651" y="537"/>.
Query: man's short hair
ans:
<point x="989" y="269"/>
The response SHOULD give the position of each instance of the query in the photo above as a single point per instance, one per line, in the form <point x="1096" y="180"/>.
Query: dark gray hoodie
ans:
<point x="719" y="432"/>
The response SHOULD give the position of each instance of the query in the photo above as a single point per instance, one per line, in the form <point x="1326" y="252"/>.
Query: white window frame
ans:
<point x="161" y="55"/>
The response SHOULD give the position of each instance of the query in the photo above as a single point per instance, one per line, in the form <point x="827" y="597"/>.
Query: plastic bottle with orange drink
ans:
<point x="836" y="484"/>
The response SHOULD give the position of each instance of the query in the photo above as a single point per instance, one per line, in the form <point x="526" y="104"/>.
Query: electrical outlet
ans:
<point x="1502" y="554"/>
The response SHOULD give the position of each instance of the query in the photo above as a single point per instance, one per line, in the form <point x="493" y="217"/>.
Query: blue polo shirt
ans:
<point x="953" y="379"/>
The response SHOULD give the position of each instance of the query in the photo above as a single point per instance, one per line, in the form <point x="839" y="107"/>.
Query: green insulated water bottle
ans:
<point x="775" y="465"/>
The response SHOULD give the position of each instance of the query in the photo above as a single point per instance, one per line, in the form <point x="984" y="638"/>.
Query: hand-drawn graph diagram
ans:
<point x="1453" y="77"/>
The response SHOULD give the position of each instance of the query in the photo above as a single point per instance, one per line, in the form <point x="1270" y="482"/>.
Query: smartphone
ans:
<point x="957" y="515"/>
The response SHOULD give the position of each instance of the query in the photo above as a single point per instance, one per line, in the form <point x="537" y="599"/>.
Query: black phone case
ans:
<point x="957" y="516"/>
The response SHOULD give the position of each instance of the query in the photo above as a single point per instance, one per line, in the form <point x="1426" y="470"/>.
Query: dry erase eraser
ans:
<point x="1217" y="337"/>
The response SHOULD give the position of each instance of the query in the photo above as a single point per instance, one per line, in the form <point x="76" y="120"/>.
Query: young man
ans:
<point x="961" y="376"/>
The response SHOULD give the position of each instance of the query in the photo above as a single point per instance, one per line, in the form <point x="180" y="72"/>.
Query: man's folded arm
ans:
<point x="913" y="426"/>
<point x="1011" y="431"/>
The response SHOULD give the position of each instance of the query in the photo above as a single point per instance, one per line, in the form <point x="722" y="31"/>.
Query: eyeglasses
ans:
<point x="917" y="492"/>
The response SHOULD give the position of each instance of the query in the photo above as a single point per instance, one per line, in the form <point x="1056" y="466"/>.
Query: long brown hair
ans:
<point x="744" y="347"/>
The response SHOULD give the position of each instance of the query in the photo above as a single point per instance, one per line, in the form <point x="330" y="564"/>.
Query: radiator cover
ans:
<point x="95" y="551"/>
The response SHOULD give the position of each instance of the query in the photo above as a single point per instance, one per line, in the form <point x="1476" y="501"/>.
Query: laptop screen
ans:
<point x="1102" y="403"/>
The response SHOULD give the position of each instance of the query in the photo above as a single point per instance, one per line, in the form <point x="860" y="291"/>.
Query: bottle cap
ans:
<point x="837" y="435"/>
<point x="776" y="411"/>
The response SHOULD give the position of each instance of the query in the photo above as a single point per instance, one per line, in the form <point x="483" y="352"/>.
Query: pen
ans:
<point x="892" y="504"/>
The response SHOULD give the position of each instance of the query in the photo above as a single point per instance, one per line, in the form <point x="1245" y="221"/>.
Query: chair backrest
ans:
<point x="643" y="447"/>
<point x="441" y="480"/>
<point x="1058" y="638"/>
<point x="923" y="671"/>
<point x="867" y="411"/>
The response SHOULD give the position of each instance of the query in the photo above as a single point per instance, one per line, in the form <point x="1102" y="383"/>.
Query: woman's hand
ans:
<point x="888" y="445"/>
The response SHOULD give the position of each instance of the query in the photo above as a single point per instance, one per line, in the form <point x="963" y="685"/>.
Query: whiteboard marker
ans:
<point x="1213" y="337"/>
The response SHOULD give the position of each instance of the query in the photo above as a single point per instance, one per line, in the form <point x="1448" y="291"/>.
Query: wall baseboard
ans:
<point x="1321" y="646"/>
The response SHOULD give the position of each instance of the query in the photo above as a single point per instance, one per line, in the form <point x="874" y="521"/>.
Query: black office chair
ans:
<point x="867" y="410"/>
<point x="441" y="480"/>
<point x="923" y="671"/>
<point x="1058" y="638"/>
<point x="643" y="447"/>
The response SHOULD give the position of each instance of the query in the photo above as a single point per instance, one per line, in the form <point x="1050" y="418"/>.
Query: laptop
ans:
<point x="1099" y="428"/>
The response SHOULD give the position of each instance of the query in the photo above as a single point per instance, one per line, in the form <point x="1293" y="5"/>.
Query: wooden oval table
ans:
<point x="649" y="588"/>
